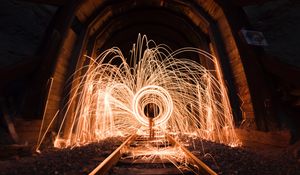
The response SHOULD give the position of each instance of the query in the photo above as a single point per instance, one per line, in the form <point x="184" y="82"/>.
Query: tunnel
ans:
<point x="262" y="92"/>
<point x="93" y="32"/>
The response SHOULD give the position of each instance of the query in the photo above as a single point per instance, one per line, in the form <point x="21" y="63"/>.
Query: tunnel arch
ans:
<point x="219" y="21"/>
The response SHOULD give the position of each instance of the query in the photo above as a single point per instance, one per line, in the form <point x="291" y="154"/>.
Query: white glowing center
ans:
<point x="153" y="94"/>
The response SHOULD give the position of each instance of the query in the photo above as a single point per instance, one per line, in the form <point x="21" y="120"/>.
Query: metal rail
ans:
<point x="201" y="166"/>
<point x="198" y="166"/>
<point x="112" y="159"/>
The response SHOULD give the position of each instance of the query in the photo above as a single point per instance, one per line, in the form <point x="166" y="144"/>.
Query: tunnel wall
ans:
<point x="59" y="82"/>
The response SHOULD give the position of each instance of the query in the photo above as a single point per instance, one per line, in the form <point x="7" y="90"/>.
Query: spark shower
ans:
<point x="109" y="97"/>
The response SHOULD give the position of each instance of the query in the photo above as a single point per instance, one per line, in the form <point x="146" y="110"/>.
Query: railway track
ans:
<point x="160" y="155"/>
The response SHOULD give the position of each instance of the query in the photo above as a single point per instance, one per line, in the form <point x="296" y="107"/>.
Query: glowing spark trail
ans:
<point x="111" y="96"/>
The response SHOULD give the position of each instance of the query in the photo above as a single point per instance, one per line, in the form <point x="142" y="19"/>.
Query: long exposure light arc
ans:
<point x="108" y="97"/>
<point x="164" y="102"/>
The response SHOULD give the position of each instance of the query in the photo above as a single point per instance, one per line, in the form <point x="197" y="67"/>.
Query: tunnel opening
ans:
<point x="151" y="110"/>
<point x="161" y="22"/>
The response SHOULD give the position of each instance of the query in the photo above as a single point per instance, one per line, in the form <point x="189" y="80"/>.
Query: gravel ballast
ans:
<point x="221" y="158"/>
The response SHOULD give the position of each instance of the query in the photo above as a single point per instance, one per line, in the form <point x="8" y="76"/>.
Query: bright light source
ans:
<point x="109" y="98"/>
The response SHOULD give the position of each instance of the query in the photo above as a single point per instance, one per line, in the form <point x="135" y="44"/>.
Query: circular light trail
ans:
<point x="153" y="94"/>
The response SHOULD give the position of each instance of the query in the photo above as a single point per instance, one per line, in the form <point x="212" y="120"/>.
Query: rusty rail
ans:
<point x="197" y="163"/>
<point x="112" y="159"/>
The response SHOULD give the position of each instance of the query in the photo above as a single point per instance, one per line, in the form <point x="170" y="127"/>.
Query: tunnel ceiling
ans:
<point x="118" y="25"/>
<point x="157" y="24"/>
